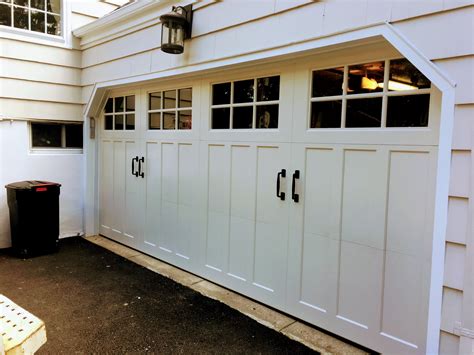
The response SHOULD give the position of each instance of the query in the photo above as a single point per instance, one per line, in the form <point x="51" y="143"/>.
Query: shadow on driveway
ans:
<point x="93" y="301"/>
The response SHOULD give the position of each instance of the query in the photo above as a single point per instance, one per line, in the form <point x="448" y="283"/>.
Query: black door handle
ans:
<point x="133" y="167"/>
<point x="280" y="195"/>
<point x="140" y="172"/>
<point x="295" y="197"/>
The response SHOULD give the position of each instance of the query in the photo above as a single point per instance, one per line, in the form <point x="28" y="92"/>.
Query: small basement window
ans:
<point x="56" y="135"/>
<point x="43" y="16"/>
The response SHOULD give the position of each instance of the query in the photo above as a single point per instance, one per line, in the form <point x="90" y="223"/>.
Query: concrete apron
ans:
<point x="290" y="327"/>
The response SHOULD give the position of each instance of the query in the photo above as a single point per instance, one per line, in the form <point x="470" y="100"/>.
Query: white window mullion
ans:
<point x="63" y="136"/>
<point x="345" y="84"/>
<point x="231" y="118"/>
<point x="254" y="110"/>
<point x="29" y="15"/>
<point x="385" y="90"/>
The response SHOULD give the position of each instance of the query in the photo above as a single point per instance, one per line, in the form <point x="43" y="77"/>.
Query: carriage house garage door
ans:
<point x="306" y="185"/>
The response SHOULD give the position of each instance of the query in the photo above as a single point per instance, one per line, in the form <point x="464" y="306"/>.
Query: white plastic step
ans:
<point x="20" y="331"/>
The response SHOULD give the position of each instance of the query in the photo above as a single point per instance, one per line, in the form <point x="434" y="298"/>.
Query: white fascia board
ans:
<point x="119" y="15"/>
<point x="133" y="17"/>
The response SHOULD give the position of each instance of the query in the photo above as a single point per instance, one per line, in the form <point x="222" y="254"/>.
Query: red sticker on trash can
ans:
<point x="41" y="189"/>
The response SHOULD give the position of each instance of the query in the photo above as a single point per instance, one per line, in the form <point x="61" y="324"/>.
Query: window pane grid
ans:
<point x="119" y="113"/>
<point x="374" y="94"/>
<point x="238" y="114"/>
<point x="170" y="109"/>
<point x="27" y="15"/>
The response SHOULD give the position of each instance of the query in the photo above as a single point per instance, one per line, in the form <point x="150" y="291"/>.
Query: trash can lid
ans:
<point x="30" y="184"/>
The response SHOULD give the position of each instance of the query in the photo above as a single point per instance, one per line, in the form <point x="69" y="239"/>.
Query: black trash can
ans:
<point x="34" y="217"/>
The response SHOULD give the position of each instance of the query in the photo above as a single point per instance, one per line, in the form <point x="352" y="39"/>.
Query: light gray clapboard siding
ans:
<point x="38" y="91"/>
<point x="32" y="71"/>
<point x="27" y="109"/>
<point x="33" y="52"/>
<point x="458" y="286"/>
<point x="39" y="81"/>
<point x="455" y="29"/>
<point x="315" y="19"/>
<point x="86" y="93"/>
<point x="461" y="71"/>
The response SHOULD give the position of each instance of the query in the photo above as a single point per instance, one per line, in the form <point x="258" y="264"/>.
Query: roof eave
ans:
<point x="117" y="16"/>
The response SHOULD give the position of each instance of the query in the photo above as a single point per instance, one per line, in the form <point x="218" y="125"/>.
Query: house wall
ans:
<point x="442" y="30"/>
<point x="40" y="79"/>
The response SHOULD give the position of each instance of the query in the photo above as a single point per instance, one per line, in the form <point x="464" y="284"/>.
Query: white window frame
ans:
<point x="252" y="104"/>
<point x="63" y="40"/>
<point x="55" y="150"/>
<point x="124" y="113"/>
<point x="163" y="110"/>
<point x="344" y="97"/>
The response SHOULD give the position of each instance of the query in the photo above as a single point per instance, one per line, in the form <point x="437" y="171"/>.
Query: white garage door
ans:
<point x="309" y="188"/>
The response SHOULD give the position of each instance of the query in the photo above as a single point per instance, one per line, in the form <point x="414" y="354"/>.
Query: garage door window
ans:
<point x="170" y="109"/>
<point x="370" y="95"/>
<point x="119" y="113"/>
<point x="246" y="104"/>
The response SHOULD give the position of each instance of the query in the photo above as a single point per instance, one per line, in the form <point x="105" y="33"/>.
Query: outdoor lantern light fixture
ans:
<point x="175" y="28"/>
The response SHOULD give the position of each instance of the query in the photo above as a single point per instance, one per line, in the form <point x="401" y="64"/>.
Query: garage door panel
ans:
<point x="186" y="231"/>
<point x="169" y="220"/>
<point x="270" y="161"/>
<point x="241" y="256"/>
<point x="106" y="190"/>
<point x="217" y="240"/>
<point x="363" y="199"/>
<point x="321" y="197"/>
<point x="218" y="178"/>
<point x="132" y="227"/>
<point x="319" y="273"/>
<point x="360" y="285"/>
<point x="187" y="168"/>
<point x="242" y="211"/>
<point x="243" y="179"/>
<point x="408" y="201"/>
<point x="402" y="312"/>
<point x="119" y="185"/>
<point x="153" y="195"/>
<point x="270" y="257"/>
<point x="169" y="172"/>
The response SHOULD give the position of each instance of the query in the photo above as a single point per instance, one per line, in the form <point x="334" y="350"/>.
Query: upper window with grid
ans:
<point x="42" y="16"/>
<point x="170" y="109"/>
<point x="391" y="93"/>
<point x="119" y="113"/>
<point x="246" y="104"/>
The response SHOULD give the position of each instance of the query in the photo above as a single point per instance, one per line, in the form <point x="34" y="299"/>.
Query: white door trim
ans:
<point x="356" y="36"/>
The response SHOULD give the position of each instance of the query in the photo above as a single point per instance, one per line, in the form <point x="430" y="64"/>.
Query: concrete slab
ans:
<point x="164" y="269"/>
<point x="114" y="247"/>
<point x="264" y="315"/>
<point x="319" y="341"/>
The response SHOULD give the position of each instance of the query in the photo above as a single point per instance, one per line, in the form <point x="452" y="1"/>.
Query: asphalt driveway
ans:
<point x="94" y="301"/>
